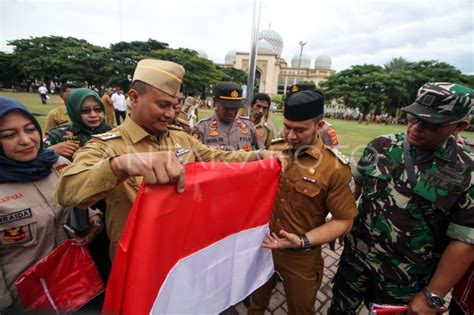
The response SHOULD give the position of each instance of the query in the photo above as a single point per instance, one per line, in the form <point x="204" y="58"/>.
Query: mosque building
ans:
<point x="274" y="75"/>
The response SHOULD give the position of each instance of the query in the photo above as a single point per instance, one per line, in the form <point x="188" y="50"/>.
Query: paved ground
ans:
<point x="278" y="305"/>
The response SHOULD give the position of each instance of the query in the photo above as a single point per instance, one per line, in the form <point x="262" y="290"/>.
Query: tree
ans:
<point x="9" y="76"/>
<point x="397" y="64"/>
<point x="201" y="74"/>
<point x="234" y="75"/>
<point x="58" y="59"/>
<point x="124" y="58"/>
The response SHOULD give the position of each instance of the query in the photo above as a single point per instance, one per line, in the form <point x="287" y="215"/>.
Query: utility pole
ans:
<point x="301" y="43"/>
<point x="253" y="53"/>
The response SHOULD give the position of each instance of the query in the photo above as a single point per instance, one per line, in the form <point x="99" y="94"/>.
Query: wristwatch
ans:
<point x="305" y="244"/>
<point x="432" y="299"/>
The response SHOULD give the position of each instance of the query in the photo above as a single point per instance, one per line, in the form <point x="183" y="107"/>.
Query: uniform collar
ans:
<point x="314" y="151"/>
<point x="134" y="131"/>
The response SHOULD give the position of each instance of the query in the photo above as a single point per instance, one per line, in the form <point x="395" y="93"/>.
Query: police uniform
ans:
<point x="30" y="228"/>
<point x="57" y="116"/>
<point x="405" y="225"/>
<point x="317" y="181"/>
<point x="109" y="109"/>
<point x="239" y="134"/>
<point x="90" y="178"/>
<point x="265" y="133"/>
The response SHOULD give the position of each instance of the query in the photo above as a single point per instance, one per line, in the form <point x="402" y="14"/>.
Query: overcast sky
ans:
<point x="351" y="32"/>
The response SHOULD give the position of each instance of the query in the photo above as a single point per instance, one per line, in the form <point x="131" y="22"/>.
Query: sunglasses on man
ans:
<point x="412" y="119"/>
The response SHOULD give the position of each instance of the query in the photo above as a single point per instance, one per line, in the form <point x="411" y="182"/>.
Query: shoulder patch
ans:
<point x="278" y="140"/>
<point x="108" y="135"/>
<point x="244" y="117"/>
<point x="341" y="157"/>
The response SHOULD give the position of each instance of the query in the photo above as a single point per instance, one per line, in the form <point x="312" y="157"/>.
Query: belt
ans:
<point x="297" y="250"/>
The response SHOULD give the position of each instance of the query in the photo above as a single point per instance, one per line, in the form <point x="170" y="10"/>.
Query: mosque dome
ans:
<point x="273" y="38"/>
<point x="264" y="47"/>
<point x="305" y="61"/>
<point x="323" y="62"/>
<point x="230" y="57"/>
<point x="202" y="53"/>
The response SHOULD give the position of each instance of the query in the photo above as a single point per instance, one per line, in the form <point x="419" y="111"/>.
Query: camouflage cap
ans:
<point x="442" y="102"/>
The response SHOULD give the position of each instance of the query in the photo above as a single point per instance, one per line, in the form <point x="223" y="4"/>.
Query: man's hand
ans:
<point x="264" y="154"/>
<point x="418" y="306"/>
<point x="66" y="149"/>
<point x="155" y="167"/>
<point x="287" y="240"/>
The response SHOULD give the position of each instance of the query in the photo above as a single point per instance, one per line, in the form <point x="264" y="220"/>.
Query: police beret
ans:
<point x="304" y="105"/>
<point x="164" y="75"/>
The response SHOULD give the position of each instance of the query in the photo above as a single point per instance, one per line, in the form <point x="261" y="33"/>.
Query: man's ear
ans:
<point x="320" y="124"/>
<point x="133" y="96"/>
<point x="460" y="127"/>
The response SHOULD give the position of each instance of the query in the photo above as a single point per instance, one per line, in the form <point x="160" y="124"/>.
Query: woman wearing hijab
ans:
<point x="86" y="112"/>
<point x="30" y="220"/>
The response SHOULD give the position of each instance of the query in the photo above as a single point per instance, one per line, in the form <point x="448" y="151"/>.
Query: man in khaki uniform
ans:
<point x="112" y="165"/>
<point x="109" y="107"/>
<point x="58" y="116"/>
<point x="181" y="118"/>
<point x="317" y="181"/>
<point x="258" y="115"/>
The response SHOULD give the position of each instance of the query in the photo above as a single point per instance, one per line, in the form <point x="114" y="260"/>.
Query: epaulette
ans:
<point x="243" y="117"/>
<point x="184" y="122"/>
<point x="203" y="120"/>
<point x="341" y="157"/>
<point x="174" y="127"/>
<point x="183" y="115"/>
<point x="266" y="125"/>
<point x="277" y="140"/>
<point x="108" y="135"/>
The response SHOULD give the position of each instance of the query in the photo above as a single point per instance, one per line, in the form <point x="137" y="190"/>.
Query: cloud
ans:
<point x="351" y="32"/>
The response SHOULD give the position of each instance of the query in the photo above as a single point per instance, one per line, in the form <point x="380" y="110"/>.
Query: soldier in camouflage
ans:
<point x="413" y="238"/>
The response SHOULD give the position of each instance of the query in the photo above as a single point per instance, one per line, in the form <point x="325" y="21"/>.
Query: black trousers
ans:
<point x="118" y="114"/>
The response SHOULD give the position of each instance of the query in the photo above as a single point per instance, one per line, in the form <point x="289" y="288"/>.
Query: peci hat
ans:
<point x="164" y="75"/>
<point x="304" y="105"/>
<point x="229" y="94"/>
<point x="441" y="102"/>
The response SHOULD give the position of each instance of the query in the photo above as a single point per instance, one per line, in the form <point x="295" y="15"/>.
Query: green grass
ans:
<point x="353" y="136"/>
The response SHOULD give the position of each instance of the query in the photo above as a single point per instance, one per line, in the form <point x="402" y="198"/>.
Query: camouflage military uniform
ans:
<point x="239" y="135"/>
<point x="401" y="232"/>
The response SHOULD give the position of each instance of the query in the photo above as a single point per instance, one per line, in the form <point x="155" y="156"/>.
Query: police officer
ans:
<point x="414" y="236"/>
<point x="145" y="147"/>
<point x="225" y="130"/>
<point x="58" y="116"/>
<point x="258" y="115"/>
<point x="317" y="181"/>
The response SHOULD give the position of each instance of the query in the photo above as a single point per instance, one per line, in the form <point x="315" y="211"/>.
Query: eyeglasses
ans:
<point x="87" y="111"/>
<point x="412" y="119"/>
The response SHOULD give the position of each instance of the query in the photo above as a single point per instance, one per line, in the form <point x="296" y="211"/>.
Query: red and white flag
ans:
<point x="198" y="252"/>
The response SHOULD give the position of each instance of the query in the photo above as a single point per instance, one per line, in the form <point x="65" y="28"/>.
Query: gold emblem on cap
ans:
<point x="234" y="93"/>
<point x="294" y="89"/>
<point x="311" y="171"/>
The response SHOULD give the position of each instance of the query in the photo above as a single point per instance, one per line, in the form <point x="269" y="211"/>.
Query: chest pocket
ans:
<point x="302" y="196"/>
<point x="18" y="228"/>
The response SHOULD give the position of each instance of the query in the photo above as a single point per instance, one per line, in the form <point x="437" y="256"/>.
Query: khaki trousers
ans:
<point x="301" y="272"/>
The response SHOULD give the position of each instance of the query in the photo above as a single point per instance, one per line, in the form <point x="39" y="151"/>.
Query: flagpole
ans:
<point x="253" y="54"/>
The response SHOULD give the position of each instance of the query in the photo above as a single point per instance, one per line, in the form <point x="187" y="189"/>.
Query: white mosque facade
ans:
<point x="274" y="75"/>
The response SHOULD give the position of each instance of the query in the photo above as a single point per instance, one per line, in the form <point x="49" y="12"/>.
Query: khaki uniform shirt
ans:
<point x="108" y="104"/>
<point x="265" y="133"/>
<point x="90" y="177"/>
<point x="238" y="135"/>
<point x="57" y="116"/>
<point x="30" y="228"/>
<point x="318" y="183"/>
